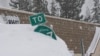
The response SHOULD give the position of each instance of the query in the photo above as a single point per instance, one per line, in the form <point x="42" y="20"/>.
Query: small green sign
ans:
<point x="46" y="31"/>
<point x="37" y="19"/>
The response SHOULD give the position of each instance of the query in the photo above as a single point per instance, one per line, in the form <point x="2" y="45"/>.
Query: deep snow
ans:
<point x="21" y="40"/>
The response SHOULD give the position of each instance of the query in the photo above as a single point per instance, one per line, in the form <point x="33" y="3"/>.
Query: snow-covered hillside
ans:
<point x="21" y="40"/>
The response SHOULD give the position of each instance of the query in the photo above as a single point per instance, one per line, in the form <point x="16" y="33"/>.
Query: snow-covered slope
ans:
<point x="21" y="40"/>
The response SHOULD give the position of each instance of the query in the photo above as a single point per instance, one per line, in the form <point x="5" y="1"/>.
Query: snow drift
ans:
<point x="21" y="40"/>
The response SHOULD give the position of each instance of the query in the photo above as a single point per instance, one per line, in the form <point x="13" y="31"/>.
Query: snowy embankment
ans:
<point x="21" y="40"/>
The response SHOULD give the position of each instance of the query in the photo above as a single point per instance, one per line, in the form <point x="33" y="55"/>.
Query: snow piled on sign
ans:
<point x="21" y="40"/>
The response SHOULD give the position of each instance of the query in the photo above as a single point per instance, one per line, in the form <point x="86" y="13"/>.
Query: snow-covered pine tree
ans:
<point x="37" y="5"/>
<point x="21" y="4"/>
<point x="40" y="6"/>
<point x="14" y="3"/>
<point x="53" y="8"/>
<point x="71" y="8"/>
<point x="45" y="10"/>
<point x="87" y="17"/>
<point x="96" y="11"/>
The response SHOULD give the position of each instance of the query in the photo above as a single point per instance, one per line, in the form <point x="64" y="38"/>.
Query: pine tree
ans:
<point x="14" y="3"/>
<point x="37" y="5"/>
<point x="21" y="4"/>
<point x="40" y="6"/>
<point x="88" y="15"/>
<point x="53" y="8"/>
<point x="96" y="11"/>
<point x="71" y="8"/>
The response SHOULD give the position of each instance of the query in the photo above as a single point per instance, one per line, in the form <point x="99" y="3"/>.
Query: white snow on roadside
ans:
<point x="21" y="40"/>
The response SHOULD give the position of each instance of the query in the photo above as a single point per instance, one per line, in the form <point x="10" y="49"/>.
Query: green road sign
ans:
<point x="46" y="31"/>
<point x="37" y="19"/>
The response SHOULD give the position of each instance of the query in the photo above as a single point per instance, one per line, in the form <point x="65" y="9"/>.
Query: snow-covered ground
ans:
<point x="21" y="40"/>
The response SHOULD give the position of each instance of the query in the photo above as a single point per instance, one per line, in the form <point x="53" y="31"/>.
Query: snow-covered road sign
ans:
<point x="37" y="19"/>
<point x="46" y="31"/>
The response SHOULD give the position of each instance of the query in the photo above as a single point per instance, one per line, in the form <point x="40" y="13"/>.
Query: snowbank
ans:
<point x="9" y="19"/>
<point x="21" y="40"/>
